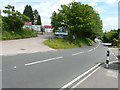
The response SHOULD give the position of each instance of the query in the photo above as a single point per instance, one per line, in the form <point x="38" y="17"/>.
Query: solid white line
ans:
<point x="74" y="80"/>
<point x="28" y="64"/>
<point x="77" y="53"/>
<point x="113" y="62"/>
<point x="85" y="78"/>
<point x="113" y="53"/>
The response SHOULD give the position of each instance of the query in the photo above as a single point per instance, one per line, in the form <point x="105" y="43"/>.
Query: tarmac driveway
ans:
<point x="29" y="45"/>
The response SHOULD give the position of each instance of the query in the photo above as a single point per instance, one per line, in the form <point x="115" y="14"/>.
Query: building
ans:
<point x="30" y="26"/>
<point x="48" y="28"/>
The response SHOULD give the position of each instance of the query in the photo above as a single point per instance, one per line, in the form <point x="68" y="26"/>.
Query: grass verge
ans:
<point x="20" y="34"/>
<point x="65" y="44"/>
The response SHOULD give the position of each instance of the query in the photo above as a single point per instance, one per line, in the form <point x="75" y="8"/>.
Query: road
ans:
<point x="53" y="69"/>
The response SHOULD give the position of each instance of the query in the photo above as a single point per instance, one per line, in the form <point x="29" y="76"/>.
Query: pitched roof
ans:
<point x="48" y="26"/>
<point x="28" y="23"/>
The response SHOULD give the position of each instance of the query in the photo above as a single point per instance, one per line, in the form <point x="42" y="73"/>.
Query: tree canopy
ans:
<point x="81" y="20"/>
<point x="111" y="36"/>
<point x="37" y="18"/>
<point x="29" y="12"/>
<point x="14" y="19"/>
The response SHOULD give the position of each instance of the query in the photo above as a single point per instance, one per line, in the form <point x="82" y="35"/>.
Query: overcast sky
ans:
<point x="108" y="9"/>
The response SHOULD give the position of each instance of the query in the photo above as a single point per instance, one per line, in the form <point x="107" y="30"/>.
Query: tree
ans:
<point x="14" y="21"/>
<point x="111" y="36"/>
<point x="37" y="18"/>
<point x="80" y="19"/>
<point x="29" y="12"/>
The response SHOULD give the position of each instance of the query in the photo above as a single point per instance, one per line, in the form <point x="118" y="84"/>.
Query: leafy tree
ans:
<point x="37" y="18"/>
<point x="111" y="37"/>
<point x="80" y="19"/>
<point x="29" y="12"/>
<point x="14" y="21"/>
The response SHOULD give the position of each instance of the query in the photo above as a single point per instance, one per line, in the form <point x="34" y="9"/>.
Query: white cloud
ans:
<point x="110" y="23"/>
<point x="62" y="2"/>
<point x="93" y="3"/>
<point x="45" y="10"/>
<point x="111" y="1"/>
<point x="99" y="9"/>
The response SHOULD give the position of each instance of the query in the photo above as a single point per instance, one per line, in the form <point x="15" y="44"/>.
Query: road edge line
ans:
<point x="77" y="78"/>
<point x="86" y="77"/>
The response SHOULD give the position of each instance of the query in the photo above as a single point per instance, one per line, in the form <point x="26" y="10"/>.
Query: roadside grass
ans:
<point x="65" y="44"/>
<point x="20" y="34"/>
<point x="59" y="44"/>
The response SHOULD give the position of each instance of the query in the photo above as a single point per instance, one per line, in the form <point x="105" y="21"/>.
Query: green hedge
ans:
<point x="20" y="34"/>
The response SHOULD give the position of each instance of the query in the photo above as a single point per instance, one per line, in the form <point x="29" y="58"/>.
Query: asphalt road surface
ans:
<point x="52" y="69"/>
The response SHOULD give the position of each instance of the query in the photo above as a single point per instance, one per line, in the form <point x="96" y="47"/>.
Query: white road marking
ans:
<point x="90" y="50"/>
<point x="85" y="78"/>
<point x="95" y="47"/>
<point x="77" y="53"/>
<point x="15" y="67"/>
<point x="74" y="80"/>
<point x="113" y="54"/>
<point x="87" y="51"/>
<point x="32" y="63"/>
<point x="113" y="62"/>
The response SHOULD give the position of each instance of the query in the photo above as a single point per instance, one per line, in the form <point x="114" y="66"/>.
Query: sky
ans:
<point x="108" y="9"/>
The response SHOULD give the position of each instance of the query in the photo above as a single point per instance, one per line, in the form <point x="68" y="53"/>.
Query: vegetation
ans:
<point x="81" y="20"/>
<point x="37" y="18"/>
<point x="24" y="33"/>
<point x="29" y="13"/>
<point x="12" y="25"/>
<point x="65" y="44"/>
<point x="33" y="15"/>
<point x="0" y="22"/>
<point x="111" y="37"/>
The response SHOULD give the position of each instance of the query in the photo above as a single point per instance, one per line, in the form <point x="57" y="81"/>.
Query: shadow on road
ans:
<point x="113" y="66"/>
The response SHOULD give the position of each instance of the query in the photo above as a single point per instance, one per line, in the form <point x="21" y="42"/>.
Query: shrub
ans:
<point x="20" y="34"/>
<point x="6" y="35"/>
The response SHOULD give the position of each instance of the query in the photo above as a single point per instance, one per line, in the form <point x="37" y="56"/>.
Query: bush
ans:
<point x="6" y="35"/>
<point x="24" y="33"/>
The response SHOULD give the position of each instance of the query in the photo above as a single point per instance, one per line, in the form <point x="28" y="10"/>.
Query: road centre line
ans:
<point x="32" y="63"/>
<point x="87" y="51"/>
<point x="90" y="50"/>
<point x="74" y="80"/>
<point x="77" y="53"/>
<point x="86" y="77"/>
